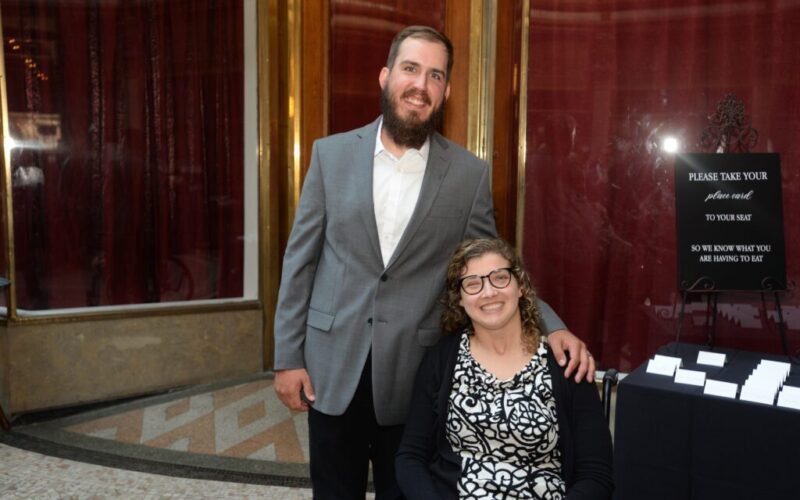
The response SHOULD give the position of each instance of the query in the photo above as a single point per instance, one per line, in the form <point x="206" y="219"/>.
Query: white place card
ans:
<point x="711" y="358"/>
<point x="720" y="388"/>
<point x="781" y="364"/>
<point x="762" y="384"/>
<point x="678" y="362"/>
<point x="789" y="403"/>
<point x="757" y="395"/>
<point x="765" y="379"/>
<point x="778" y="367"/>
<point x="791" y="391"/>
<point x="788" y="399"/>
<point x="661" y="367"/>
<point x="768" y="373"/>
<point x="691" y="377"/>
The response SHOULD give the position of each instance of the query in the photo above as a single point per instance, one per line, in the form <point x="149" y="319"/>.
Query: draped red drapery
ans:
<point x="608" y="80"/>
<point x="128" y="181"/>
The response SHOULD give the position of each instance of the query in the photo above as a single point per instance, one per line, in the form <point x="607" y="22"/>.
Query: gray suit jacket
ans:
<point x="337" y="301"/>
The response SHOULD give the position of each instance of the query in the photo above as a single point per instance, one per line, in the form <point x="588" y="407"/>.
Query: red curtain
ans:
<point x="608" y="80"/>
<point x="130" y="188"/>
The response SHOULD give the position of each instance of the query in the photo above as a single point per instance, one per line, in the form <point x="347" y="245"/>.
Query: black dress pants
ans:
<point x="342" y="446"/>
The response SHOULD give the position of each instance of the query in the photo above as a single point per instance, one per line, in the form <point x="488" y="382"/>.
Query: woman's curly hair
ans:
<point x="454" y="317"/>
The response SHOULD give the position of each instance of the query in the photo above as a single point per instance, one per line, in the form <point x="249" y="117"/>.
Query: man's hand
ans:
<point x="564" y="340"/>
<point x="289" y="383"/>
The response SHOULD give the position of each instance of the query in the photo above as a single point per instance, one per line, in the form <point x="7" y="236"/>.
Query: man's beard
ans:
<point x="410" y="132"/>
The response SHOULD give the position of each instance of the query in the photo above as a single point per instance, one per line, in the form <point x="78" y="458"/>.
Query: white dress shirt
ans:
<point x="396" y="184"/>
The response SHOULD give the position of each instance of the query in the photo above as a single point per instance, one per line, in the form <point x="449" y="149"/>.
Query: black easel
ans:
<point x="712" y="298"/>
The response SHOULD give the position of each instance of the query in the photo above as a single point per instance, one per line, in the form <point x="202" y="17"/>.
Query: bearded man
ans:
<point x="381" y="210"/>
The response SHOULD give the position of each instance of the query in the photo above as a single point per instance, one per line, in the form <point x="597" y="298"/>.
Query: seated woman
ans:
<point x="492" y="415"/>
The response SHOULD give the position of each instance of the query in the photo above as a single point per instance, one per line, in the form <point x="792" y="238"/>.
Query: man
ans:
<point x="382" y="209"/>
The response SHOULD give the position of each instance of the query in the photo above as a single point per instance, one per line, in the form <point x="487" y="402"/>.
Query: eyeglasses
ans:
<point x="473" y="284"/>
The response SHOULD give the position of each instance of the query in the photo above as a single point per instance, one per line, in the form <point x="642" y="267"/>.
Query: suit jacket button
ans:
<point x="369" y="321"/>
<point x="384" y="278"/>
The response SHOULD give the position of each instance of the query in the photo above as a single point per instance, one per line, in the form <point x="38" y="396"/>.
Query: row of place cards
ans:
<point x="762" y="386"/>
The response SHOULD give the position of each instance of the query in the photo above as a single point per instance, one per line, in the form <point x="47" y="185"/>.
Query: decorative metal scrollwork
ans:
<point x="770" y="283"/>
<point x="729" y="128"/>
<point x="701" y="284"/>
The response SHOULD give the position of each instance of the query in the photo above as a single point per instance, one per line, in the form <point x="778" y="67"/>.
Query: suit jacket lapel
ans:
<point x="364" y="162"/>
<point x="435" y="171"/>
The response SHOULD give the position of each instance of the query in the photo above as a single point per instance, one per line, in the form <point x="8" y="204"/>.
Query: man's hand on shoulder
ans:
<point x="581" y="362"/>
<point x="289" y="384"/>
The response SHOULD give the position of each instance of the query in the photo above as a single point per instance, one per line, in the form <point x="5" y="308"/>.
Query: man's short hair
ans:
<point x="423" y="33"/>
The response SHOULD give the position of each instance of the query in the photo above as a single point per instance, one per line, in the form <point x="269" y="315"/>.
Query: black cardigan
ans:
<point x="428" y="468"/>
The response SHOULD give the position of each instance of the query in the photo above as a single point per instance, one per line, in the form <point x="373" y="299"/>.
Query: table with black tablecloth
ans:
<point x="672" y="442"/>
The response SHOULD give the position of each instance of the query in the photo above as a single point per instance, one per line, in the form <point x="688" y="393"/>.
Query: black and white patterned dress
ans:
<point x="505" y="431"/>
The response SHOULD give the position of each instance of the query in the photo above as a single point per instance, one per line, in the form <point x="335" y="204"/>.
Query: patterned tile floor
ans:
<point x="228" y="440"/>
<point x="234" y="430"/>
<point x="246" y="421"/>
<point x="28" y="475"/>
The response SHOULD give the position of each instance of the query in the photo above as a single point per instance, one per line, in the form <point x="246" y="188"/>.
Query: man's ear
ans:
<point x="383" y="77"/>
<point x="447" y="92"/>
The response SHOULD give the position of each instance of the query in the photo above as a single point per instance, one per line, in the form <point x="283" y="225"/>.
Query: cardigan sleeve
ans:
<point x="414" y="456"/>
<point x="593" y="479"/>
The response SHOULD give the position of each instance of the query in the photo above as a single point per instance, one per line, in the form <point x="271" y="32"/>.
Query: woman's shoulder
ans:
<point x="438" y="358"/>
<point x="556" y="370"/>
<point x="552" y="364"/>
<point x="449" y="339"/>
<point x="446" y="346"/>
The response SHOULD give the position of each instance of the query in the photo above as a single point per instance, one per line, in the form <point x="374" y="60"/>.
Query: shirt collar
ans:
<point x="423" y="152"/>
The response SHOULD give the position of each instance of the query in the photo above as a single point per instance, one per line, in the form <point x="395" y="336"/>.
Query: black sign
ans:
<point x="729" y="215"/>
